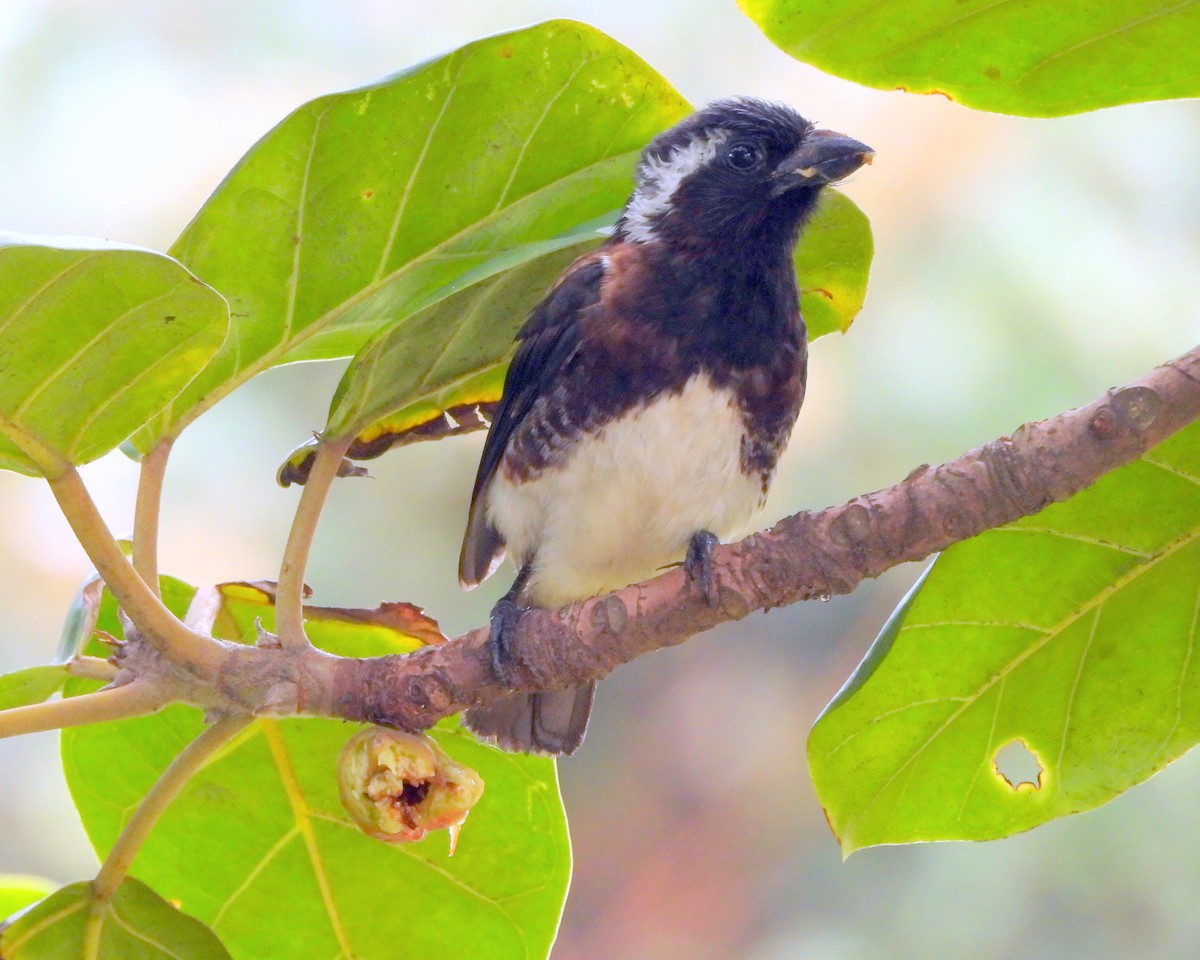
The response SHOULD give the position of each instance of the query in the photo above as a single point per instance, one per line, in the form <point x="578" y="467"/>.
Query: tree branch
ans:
<point x="807" y="555"/>
<point x="804" y="556"/>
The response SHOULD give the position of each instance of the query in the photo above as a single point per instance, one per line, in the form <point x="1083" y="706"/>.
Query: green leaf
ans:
<point x="833" y="264"/>
<point x="18" y="892"/>
<point x="363" y="207"/>
<point x="137" y="925"/>
<point x="259" y="847"/>
<point x="451" y="357"/>
<point x="1039" y="58"/>
<point x="31" y="685"/>
<point x="96" y="338"/>
<point x="448" y="355"/>
<point x="1067" y="638"/>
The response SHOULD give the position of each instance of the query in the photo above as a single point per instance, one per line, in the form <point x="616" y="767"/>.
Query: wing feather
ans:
<point x="548" y="341"/>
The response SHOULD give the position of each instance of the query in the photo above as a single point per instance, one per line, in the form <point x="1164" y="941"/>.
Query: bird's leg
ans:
<point x="699" y="566"/>
<point x="503" y="620"/>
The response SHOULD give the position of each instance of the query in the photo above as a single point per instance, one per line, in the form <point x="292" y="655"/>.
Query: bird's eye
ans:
<point x="742" y="156"/>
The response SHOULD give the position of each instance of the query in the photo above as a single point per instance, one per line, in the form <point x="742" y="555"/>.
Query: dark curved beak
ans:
<point x="824" y="157"/>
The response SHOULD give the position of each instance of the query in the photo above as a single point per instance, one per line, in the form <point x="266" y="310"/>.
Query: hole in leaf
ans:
<point x="1018" y="766"/>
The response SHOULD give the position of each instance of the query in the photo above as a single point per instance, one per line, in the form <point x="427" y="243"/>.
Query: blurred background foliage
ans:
<point x="1022" y="267"/>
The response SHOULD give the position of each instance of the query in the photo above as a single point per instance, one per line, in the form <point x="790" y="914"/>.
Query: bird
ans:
<point x="653" y="388"/>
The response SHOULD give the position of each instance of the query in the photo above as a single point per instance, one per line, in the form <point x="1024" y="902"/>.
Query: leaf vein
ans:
<point x="66" y="365"/>
<point x="978" y="623"/>
<point x="137" y="934"/>
<point x="1171" y="468"/>
<point x="129" y="385"/>
<point x="485" y="298"/>
<point x="991" y="743"/>
<point x="303" y="815"/>
<point x="293" y="283"/>
<point x="1078" y="537"/>
<point x="16" y="943"/>
<point x="55" y="278"/>
<point x="254" y="872"/>
<point x="394" y="232"/>
<point x="1087" y="648"/>
<point x="1183" y="671"/>
<point x="512" y="174"/>
<point x="1121" y="28"/>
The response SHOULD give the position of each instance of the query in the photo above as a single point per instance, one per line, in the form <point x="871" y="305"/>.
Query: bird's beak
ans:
<point x="824" y="157"/>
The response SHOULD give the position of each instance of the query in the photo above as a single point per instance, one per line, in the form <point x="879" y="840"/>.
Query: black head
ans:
<point x="740" y="174"/>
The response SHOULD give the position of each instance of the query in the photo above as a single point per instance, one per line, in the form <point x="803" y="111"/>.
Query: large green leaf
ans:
<point x="1037" y="58"/>
<point x="451" y="356"/>
<point x="1068" y="638"/>
<point x="363" y="207"/>
<point x="465" y="340"/>
<point x="258" y="846"/>
<point x="95" y="339"/>
<point x="137" y="925"/>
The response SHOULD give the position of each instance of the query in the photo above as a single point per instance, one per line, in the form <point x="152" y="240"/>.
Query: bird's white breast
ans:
<point x="629" y="497"/>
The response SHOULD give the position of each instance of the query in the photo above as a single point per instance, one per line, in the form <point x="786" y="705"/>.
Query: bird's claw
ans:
<point x="504" y="618"/>
<point x="699" y="566"/>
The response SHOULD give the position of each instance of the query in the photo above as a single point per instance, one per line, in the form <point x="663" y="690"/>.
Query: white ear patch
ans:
<point x="657" y="181"/>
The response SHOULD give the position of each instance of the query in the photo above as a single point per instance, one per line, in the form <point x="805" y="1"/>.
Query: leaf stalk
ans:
<point x="289" y="595"/>
<point x="146" y="512"/>
<point x="195" y="652"/>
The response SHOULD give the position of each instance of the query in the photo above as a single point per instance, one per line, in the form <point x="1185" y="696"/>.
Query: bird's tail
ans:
<point x="553" y="721"/>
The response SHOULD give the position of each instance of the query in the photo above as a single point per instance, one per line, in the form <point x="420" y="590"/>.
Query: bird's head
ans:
<point x="740" y="174"/>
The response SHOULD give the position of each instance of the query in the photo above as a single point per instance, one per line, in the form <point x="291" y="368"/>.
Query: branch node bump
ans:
<point x="610" y="615"/>
<point x="1138" y="405"/>
<point x="1102" y="423"/>
<point x="853" y="527"/>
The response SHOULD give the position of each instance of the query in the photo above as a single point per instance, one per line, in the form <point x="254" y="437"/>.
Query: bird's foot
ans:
<point x="699" y="565"/>
<point x="503" y="621"/>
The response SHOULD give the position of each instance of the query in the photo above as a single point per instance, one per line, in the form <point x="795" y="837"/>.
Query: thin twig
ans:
<point x="112" y="703"/>
<point x="198" y="654"/>
<point x="289" y="595"/>
<point x="166" y="788"/>
<point x="146" y="512"/>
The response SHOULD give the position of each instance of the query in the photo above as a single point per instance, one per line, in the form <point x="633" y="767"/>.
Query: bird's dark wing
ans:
<point x="548" y="341"/>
